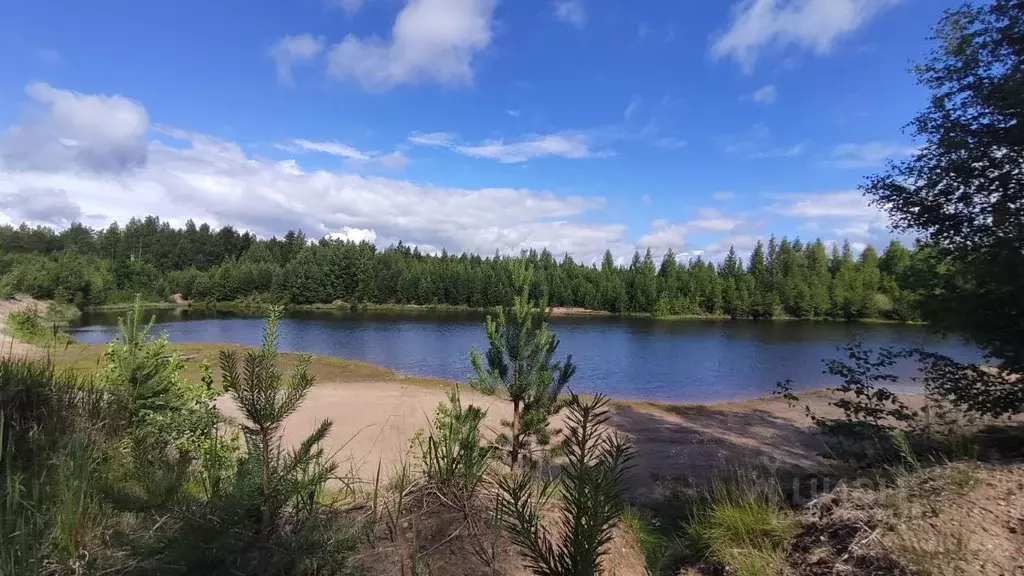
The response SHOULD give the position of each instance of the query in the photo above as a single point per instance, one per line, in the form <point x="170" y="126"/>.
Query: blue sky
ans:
<point x="467" y="124"/>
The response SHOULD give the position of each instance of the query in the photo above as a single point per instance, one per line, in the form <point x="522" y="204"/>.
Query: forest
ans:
<point x="783" y="278"/>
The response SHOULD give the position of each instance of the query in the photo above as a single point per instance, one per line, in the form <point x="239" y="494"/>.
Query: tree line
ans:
<point x="780" y="278"/>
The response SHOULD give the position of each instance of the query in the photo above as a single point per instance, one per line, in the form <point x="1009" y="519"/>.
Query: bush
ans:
<point x="32" y="327"/>
<point x="454" y="457"/>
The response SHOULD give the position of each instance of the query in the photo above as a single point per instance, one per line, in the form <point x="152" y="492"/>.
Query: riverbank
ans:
<point x="257" y="306"/>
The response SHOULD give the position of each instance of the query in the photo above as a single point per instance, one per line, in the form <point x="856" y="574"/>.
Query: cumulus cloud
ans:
<point x="868" y="154"/>
<point x="97" y="133"/>
<point x="566" y="144"/>
<point x="292" y="50"/>
<point x="350" y="234"/>
<point x="571" y="12"/>
<point x="663" y="234"/>
<point x="846" y="213"/>
<point x="765" y="94"/>
<point x="44" y="206"/>
<point x="210" y="179"/>
<point x="431" y="41"/>
<point x="813" y="25"/>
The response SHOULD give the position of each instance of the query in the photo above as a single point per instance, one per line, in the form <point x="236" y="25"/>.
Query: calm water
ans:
<point x="628" y="358"/>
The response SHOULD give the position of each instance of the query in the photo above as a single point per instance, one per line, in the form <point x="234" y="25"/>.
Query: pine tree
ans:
<point x="819" y="279"/>
<point x="763" y="300"/>
<point x="520" y="363"/>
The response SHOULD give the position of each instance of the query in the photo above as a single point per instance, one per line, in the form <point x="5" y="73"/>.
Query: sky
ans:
<point x="468" y="125"/>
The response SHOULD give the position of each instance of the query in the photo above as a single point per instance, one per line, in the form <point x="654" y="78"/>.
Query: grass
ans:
<point x="740" y="523"/>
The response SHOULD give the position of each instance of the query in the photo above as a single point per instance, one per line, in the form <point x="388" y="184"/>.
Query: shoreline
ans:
<point x="554" y="312"/>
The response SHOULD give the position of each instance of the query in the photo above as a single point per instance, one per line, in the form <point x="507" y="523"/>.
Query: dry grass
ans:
<point x="954" y="519"/>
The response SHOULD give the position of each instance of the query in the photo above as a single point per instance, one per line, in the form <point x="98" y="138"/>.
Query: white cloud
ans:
<point x="868" y="154"/>
<point x="663" y="234"/>
<point x="723" y="195"/>
<point x="292" y="50"/>
<point x="350" y="234"/>
<point x="814" y="25"/>
<point x="97" y="133"/>
<point x="712" y="220"/>
<point x="431" y="41"/>
<point x="646" y="199"/>
<point x="49" y="206"/>
<point x="567" y="144"/>
<point x="395" y="160"/>
<point x="765" y="94"/>
<point x="571" y="11"/>
<point x="634" y="106"/>
<point x="512" y="113"/>
<point x="209" y="179"/>
<point x="333" y="148"/>
<point x="432" y="138"/>
<point x="845" y="213"/>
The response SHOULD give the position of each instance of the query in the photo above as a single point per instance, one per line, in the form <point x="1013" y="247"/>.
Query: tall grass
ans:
<point x="51" y="517"/>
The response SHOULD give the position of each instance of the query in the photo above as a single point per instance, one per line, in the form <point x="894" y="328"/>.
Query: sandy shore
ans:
<point x="375" y="422"/>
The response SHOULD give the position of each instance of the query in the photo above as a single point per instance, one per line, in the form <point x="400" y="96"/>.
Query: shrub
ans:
<point x="454" y="457"/>
<point x="593" y="496"/>
<point x="32" y="327"/>
<point x="744" y="525"/>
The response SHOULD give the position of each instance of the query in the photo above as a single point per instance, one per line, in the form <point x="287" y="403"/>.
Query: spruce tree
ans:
<point x="520" y="364"/>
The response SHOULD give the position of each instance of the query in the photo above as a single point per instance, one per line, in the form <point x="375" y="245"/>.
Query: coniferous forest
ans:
<point x="783" y="278"/>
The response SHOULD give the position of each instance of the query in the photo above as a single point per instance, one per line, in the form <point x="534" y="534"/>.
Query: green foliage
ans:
<point x="593" y="489"/>
<point x="744" y="525"/>
<point x="520" y="364"/>
<point x="963" y="190"/>
<point x="453" y="454"/>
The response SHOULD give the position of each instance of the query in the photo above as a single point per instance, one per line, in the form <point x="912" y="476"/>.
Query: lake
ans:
<point x="639" y="358"/>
